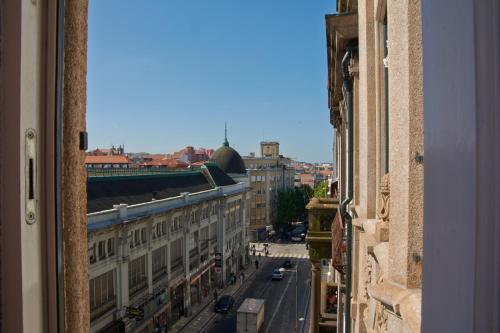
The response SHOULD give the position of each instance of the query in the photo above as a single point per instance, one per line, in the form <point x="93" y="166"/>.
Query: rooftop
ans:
<point x="106" y="159"/>
<point x="106" y="188"/>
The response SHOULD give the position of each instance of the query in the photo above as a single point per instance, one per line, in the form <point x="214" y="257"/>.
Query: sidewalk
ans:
<point x="203" y="312"/>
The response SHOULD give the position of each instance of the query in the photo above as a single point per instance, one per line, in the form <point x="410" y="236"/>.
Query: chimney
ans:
<point x="122" y="210"/>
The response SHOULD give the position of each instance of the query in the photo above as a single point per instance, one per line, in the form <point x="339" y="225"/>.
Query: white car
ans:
<point x="277" y="274"/>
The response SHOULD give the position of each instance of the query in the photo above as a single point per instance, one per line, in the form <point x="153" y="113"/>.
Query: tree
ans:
<point x="321" y="190"/>
<point x="292" y="205"/>
<point x="285" y="209"/>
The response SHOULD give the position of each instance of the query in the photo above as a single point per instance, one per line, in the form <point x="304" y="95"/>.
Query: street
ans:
<point x="280" y="296"/>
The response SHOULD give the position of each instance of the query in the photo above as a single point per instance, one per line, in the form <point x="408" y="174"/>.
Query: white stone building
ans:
<point x="153" y="257"/>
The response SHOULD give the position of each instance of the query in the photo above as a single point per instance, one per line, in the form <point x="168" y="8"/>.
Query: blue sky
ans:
<point x="164" y="74"/>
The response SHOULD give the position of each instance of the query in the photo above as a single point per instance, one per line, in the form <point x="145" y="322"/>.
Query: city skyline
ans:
<point x="182" y="82"/>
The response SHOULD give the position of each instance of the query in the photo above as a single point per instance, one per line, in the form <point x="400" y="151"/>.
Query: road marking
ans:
<point x="278" y="306"/>
<point x="288" y="255"/>
<point x="305" y="312"/>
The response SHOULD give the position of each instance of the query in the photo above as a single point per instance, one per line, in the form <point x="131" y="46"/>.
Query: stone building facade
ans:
<point x="374" y="50"/>
<point x="152" y="259"/>
<point x="267" y="175"/>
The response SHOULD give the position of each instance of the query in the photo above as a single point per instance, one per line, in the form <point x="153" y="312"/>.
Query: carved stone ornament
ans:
<point x="335" y="117"/>
<point x="381" y="319"/>
<point x="384" y="201"/>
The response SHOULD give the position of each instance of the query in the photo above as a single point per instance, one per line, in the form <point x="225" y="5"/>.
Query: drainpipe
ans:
<point x="347" y="91"/>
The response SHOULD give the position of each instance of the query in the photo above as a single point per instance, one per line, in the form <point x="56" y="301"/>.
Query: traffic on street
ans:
<point x="282" y="281"/>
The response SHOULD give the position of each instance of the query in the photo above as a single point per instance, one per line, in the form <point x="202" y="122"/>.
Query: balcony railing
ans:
<point x="322" y="212"/>
<point x="194" y="262"/>
<point x="102" y="309"/>
<point x="106" y="172"/>
<point x="159" y="274"/>
<point x="177" y="267"/>
<point x="204" y="246"/>
<point x="193" y="252"/>
<point x="138" y="287"/>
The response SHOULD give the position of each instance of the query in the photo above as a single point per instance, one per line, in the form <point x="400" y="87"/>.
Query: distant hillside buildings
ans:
<point x="117" y="158"/>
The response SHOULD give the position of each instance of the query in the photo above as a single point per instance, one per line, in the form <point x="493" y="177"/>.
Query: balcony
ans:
<point x="204" y="246"/>
<point x="102" y="309"/>
<point x="193" y="252"/>
<point x="194" y="259"/>
<point x="322" y="212"/>
<point x="159" y="274"/>
<point x="177" y="267"/>
<point x="138" y="287"/>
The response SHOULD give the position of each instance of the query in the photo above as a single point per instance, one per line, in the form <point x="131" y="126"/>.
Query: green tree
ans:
<point x="292" y="205"/>
<point x="321" y="190"/>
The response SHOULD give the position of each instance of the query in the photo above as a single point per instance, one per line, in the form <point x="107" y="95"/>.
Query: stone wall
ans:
<point x="388" y="210"/>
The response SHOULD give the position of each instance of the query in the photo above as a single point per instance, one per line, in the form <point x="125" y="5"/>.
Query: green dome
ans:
<point x="228" y="160"/>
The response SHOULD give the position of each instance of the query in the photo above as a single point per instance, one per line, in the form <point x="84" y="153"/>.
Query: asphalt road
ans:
<point x="279" y="298"/>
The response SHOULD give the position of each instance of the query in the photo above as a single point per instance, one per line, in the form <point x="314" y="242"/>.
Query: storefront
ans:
<point x="177" y="302"/>
<point x="194" y="292"/>
<point x="205" y="284"/>
<point x="213" y="277"/>
<point x="160" y="321"/>
<point x="200" y="283"/>
<point x="146" y="314"/>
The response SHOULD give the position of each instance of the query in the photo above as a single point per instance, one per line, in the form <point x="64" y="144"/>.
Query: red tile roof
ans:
<point x="108" y="159"/>
<point x="153" y="157"/>
<point x="167" y="162"/>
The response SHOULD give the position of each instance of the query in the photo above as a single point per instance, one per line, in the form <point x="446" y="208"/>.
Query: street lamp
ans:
<point x="296" y="296"/>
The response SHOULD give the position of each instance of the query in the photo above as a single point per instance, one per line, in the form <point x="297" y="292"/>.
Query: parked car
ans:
<point x="277" y="274"/>
<point x="299" y="233"/>
<point x="287" y="264"/>
<point x="224" y="304"/>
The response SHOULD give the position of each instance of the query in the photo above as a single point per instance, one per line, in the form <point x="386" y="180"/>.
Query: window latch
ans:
<point x="30" y="176"/>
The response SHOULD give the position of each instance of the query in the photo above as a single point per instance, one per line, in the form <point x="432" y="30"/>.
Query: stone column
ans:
<point x="73" y="196"/>
<point x="322" y="300"/>
<point x="406" y="143"/>
<point x="315" y="298"/>
<point x="169" y="264"/>
<point x="187" y="299"/>
<point x="123" y="282"/>
<point x="122" y="272"/>
<point x="149" y="270"/>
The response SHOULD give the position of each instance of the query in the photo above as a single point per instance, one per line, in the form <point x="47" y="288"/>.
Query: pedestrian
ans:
<point x="241" y="278"/>
<point x="215" y="296"/>
<point x="257" y="263"/>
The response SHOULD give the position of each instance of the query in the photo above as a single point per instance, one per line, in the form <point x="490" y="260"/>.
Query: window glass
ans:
<point x="102" y="250"/>
<point x="111" y="247"/>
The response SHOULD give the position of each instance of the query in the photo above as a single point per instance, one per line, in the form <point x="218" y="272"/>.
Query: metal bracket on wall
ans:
<point x="30" y="176"/>
<point x="419" y="158"/>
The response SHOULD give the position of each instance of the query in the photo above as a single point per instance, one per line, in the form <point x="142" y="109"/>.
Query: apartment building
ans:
<point x="268" y="174"/>
<point x="152" y="240"/>
<point x="375" y="91"/>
